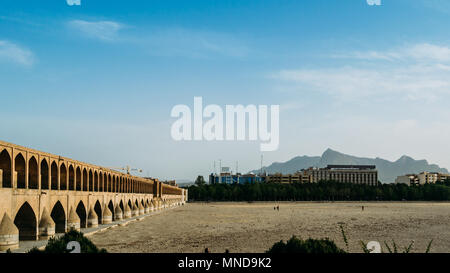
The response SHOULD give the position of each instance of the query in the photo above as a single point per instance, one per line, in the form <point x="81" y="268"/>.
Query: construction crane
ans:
<point x="126" y="168"/>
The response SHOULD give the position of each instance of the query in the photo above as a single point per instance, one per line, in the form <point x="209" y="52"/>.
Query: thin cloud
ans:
<point x="182" y="42"/>
<point x="103" y="30"/>
<point x="419" y="72"/>
<point x="418" y="52"/>
<point x="165" y="41"/>
<point x="10" y="52"/>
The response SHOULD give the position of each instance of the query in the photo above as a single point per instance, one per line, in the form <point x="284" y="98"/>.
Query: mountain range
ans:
<point x="387" y="170"/>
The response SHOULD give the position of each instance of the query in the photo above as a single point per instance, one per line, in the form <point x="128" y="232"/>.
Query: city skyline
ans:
<point x="97" y="81"/>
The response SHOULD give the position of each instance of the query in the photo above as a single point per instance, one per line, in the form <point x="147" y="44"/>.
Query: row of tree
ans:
<point x="322" y="191"/>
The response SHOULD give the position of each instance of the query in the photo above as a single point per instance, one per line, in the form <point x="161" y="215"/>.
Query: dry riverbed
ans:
<point x="254" y="227"/>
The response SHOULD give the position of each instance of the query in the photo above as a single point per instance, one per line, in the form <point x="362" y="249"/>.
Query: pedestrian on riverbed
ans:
<point x="362" y="208"/>
<point x="206" y="250"/>
<point x="278" y="208"/>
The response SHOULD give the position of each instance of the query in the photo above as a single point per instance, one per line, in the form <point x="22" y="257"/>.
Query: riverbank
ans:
<point x="254" y="227"/>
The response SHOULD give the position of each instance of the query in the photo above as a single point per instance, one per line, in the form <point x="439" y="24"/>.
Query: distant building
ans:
<point x="356" y="174"/>
<point x="170" y="182"/>
<point x="229" y="178"/>
<point x="408" y="179"/>
<point x="297" y="177"/>
<point x="422" y="178"/>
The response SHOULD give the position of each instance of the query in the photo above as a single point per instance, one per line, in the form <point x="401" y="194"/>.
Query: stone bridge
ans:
<point x="42" y="194"/>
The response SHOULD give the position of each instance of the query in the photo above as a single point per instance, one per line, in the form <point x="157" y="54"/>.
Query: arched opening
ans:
<point x="91" y="181"/>
<point x="121" y="206"/>
<point x="142" y="203"/>
<point x="44" y="175"/>
<point x="105" y="182"/>
<point x="81" y="211"/>
<point x="33" y="175"/>
<point x="137" y="203"/>
<point x="25" y="221"/>
<point x="100" y="182"/>
<point x="78" y="179"/>
<point x="59" y="217"/>
<point x="98" y="211"/>
<point x="108" y="183"/>
<point x="96" y="182"/>
<point x="63" y="177"/>
<point x="19" y="166"/>
<point x="71" y="178"/>
<point x="54" y="174"/>
<point x="111" y="208"/>
<point x="85" y="180"/>
<point x="130" y="204"/>
<point x="5" y="166"/>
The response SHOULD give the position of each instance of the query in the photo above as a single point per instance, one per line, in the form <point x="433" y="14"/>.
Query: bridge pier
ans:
<point x="46" y="226"/>
<point x="127" y="212"/>
<point x="141" y="209"/>
<point x="118" y="215"/>
<point x="135" y="211"/>
<point x="146" y="208"/>
<point x="107" y="216"/>
<point x="92" y="218"/>
<point x="9" y="234"/>
<point x="73" y="220"/>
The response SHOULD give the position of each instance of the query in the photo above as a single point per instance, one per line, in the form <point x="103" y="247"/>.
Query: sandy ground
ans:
<point x="254" y="227"/>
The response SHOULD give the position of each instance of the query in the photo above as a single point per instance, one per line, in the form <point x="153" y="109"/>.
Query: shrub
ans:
<point x="312" y="246"/>
<point x="59" y="245"/>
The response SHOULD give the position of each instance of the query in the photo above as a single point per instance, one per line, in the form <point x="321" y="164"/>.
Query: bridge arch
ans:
<point x="19" y="167"/>
<point x="78" y="179"/>
<point x="81" y="211"/>
<point x="71" y="178"/>
<point x="122" y="207"/>
<point x="90" y="182"/>
<point x="44" y="175"/>
<point x="109" y="183"/>
<point x="33" y="175"/>
<point x="25" y="220"/>
<point x="63" y="177"/>
<point x="59" y="217"/>
<point x="98" y="210"/>
<point x="100" y="181"/>
<point x="95" y="186"/>
<point x="5" y="166"/>
<point x="111" y="208"/>
<point x="85" y="179"/>
<point x="54" y="175"/>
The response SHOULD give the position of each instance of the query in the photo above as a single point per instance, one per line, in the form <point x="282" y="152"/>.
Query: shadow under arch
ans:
<point x="81" y="211"/>
<point x="33" y="175"/>
<point x="5" y="165"/>
<point x="59" y="217"/>
<point x="44" y="175"/>
<point x="26" y="222"/>
<point x="19" y="167"/>
<point x="111" y="208"/>
<point x="98" y="211"/>
<point x="121" y="206"/>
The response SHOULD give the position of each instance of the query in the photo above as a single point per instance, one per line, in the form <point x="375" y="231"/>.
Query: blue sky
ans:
<point x="97" y="81"/>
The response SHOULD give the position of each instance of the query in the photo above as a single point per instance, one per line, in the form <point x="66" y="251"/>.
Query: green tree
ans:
<point x="200" y="181"/>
